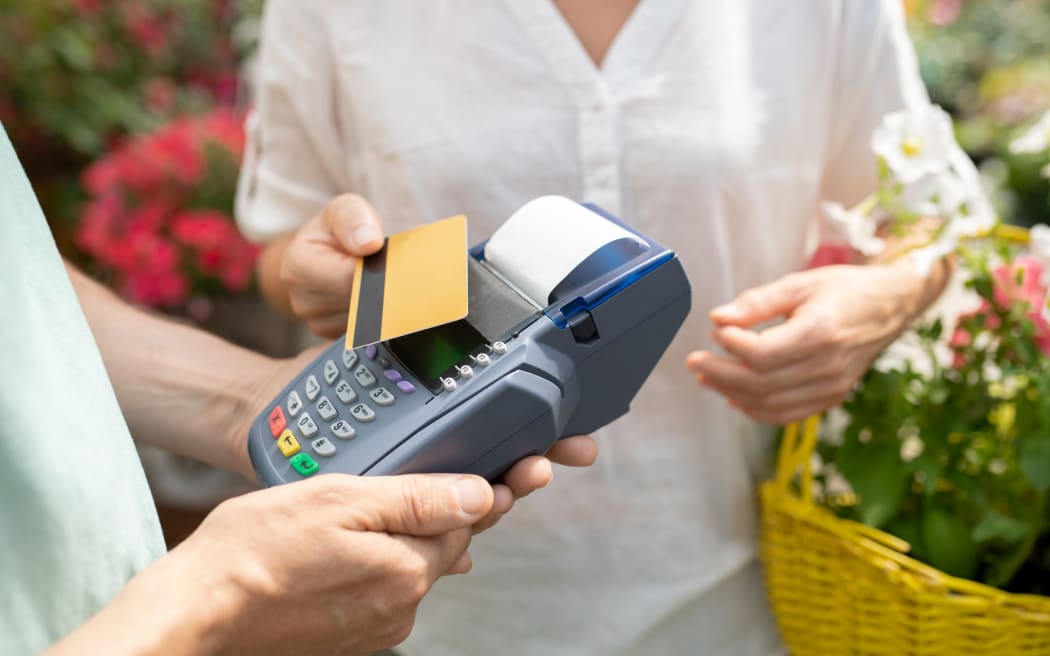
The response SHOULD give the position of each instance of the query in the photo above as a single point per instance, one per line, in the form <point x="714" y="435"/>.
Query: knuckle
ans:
<point x="418" y="589"/>
<point x="761" y="385"/>
<point x="823" y="330"/>
<point x="750" y="299"/>
<point x="841" y="389"/>
<point x="839" y="363"/>
<point x="418" y="505"/>
<point x="402" y="630"/>
<point x="347" y="208"/>
<point x="761" y="359"/>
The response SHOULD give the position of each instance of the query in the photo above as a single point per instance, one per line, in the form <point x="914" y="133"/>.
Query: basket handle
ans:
<point x="795" y="454"/>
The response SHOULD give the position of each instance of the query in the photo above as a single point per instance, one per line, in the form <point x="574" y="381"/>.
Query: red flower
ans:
<point x="138" y="222"/>
<point x="157" y="289"/>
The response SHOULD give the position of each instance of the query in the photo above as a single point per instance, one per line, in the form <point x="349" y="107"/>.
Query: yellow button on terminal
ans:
<point x="287" y="443"/>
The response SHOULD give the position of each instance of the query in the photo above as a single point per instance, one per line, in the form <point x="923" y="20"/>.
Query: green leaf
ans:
<point x="949" y="543"/>
<point x="931" y="472"/>
<point x="909" y="529"/>
<point x="997" y="526"/>
<point x="1034" y="457"/>
<point x="879" y="479"/>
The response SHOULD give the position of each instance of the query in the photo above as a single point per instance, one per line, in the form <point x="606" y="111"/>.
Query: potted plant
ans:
<point x="924" y="503"/>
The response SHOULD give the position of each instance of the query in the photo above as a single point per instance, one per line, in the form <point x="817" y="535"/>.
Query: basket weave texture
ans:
<point x="838" y="587"/>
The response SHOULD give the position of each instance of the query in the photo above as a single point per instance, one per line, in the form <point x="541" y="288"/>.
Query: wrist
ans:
<point x="244" y="405"/>
<point x="921" y="288"/>
<point x="172" y="609"/>
<point x="268" y="269"/>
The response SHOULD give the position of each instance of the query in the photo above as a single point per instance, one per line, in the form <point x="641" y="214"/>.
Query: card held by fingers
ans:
<point x="418" y="280"/>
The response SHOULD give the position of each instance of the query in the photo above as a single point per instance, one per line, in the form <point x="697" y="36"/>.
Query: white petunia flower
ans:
<point x="856" y="229"/>
<point x="936" y="194"/>
<point x="914" y="143"/>
<point x="925" y="257"/>
<point x="1035" y="140"/>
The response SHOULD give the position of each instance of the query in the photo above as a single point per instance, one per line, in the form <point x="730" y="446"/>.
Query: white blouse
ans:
<point x="716" y="127"/>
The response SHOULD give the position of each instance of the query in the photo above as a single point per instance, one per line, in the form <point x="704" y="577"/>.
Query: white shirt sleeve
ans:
<point x="291" y="165"/>
<point x="877" y="73"/>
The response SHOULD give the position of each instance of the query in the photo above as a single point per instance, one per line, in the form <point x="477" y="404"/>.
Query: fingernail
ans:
<point x="366" y="233"/>
<point x="472" y="495"/>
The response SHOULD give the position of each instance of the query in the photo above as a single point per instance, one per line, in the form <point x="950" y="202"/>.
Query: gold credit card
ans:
<point x="418" y="280"/>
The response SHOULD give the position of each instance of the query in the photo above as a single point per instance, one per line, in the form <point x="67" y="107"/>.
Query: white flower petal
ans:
<point x="938" y="194"/>
<point x="854" y="228"/>
<point x="925" y="257"/>
<point x="914" y="142"/>
<point x="1036" y="139"/>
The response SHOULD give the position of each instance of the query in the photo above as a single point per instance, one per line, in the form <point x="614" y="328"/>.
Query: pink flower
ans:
<point x="1019" y="283"/>
<point x="945" y="12"/>
<point x="1023" y="282"/>
<point x="830" y="255"/>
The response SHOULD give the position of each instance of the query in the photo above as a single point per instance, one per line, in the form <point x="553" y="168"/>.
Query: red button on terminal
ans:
<point x="277" y="422"/>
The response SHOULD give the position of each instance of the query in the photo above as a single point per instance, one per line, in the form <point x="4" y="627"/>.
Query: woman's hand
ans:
<point x="309" y="273"/>
<point x="838" y="319"/>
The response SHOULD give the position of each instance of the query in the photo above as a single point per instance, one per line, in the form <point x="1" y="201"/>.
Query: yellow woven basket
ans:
<point x="838" y="587"/>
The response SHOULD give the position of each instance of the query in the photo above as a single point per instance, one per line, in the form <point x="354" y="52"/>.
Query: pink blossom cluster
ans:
<point x="146" y="223"/>
<point x="1022" y="281"/>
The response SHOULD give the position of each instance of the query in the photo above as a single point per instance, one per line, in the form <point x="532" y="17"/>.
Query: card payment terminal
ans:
<point x="479" y="394"/>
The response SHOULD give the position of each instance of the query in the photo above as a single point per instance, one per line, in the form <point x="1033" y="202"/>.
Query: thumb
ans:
<point x="763" y="303"/>
<point x="417" y="504"/>
<point x="355" y="224"/>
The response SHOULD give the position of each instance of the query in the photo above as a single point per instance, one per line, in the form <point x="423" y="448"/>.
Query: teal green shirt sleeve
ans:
<point x="76" y="517"/>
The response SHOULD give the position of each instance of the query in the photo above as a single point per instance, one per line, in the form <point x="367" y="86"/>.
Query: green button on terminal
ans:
<point x="304" y="464"/>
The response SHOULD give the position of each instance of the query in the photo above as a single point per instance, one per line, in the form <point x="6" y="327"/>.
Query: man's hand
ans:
<point x="331" y="565"/>
<point x="838" y="319"/>
<point x="310" y="272"/>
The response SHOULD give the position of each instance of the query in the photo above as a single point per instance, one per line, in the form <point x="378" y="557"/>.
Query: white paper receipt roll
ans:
<point x="541" y="243"/>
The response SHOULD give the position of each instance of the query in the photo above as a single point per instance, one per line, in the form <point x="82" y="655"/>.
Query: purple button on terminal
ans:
<point x="406" y="387"/>
<point x="371" y="351"/>
<point x="393" y="375"/>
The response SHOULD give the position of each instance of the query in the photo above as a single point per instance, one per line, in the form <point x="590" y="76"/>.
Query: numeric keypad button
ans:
<point x="313" y="388"/>
<point x="364" y="377"/>
<point x="331" y="372"/>
<point x="322" y="446"/>
<point x="295" y="403"/>
<point x="363" y="413"/>
<point x="306" y="425"/>
<point x="349" y="359"/>
<point x="343" y="430"/>
<point x="382" y="396"/>
<point x="345" y="392"/>
<point x="326" y="409"/>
